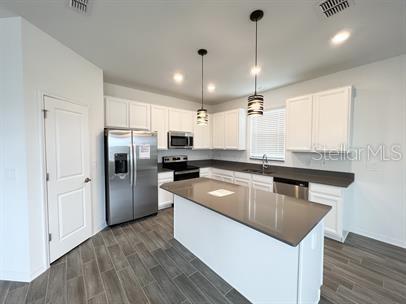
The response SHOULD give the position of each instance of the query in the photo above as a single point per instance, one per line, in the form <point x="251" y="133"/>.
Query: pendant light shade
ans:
<point x="255" y="105"/>
<point x="255" y="101"/>
<point x="202" y="115"/>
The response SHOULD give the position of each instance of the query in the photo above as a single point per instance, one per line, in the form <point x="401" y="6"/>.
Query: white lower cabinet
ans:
<point x="334" y="225"/>
<point x="205" y="172"/>
<point x="165" y="198"/>
<point x="242" y="179"/>
<point x="222" y="175"/>
<point x="262" y="182"/>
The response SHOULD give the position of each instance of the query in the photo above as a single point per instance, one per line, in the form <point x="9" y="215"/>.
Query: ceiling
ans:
<point x="141" y="44"/>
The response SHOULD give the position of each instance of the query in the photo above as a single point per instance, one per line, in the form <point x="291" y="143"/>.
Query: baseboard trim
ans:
<point x="15" y="276"/>
<point x="381" y="238"/>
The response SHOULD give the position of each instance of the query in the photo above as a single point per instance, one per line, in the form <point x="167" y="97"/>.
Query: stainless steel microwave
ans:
<point x="180" y="140"/>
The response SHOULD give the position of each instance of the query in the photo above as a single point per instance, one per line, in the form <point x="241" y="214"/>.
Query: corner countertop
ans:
<point x="332" y="178"/>
<point x="284" y="218"/>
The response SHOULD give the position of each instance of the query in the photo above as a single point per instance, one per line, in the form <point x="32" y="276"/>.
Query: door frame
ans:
<point x="41" y="104"/>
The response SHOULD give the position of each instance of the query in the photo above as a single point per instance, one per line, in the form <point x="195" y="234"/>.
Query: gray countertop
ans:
<point x="284" y="218"/>
<point x="333" y="178"/>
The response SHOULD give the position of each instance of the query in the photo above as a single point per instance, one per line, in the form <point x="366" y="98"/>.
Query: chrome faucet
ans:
<point x="265" y="162"/>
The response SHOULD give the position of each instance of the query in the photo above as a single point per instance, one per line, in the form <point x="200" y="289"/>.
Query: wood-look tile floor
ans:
<point x="140" y="262"/>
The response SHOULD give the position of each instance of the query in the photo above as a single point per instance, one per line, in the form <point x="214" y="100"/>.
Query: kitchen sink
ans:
<point x="257" y="171"/>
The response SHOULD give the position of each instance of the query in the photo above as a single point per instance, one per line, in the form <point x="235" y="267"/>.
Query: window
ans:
<point x="268" y="135"/>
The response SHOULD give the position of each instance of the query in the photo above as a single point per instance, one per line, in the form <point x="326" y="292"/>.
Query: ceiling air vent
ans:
<point x="332" y="7"/>
<point x="79" y="5"/>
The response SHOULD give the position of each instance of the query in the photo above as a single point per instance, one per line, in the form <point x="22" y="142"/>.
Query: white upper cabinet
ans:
<point x="320" y="122"/>
<point x="299" y="115"/>
<point x="332" y="119"/>
<point x="180" y="120"/>
<point x="229" y="130"/>
<point x="123" y="113"/>
<point x="139" y="115"/>
<point x="159" y="123"/>
<point x="218" y="130"/>
<point x="235" y="129"/>
<point x="175" y="120"/>
<point x="202" y="136"/>
<point x="116" y="112"/>
<point x="188" y="121"/>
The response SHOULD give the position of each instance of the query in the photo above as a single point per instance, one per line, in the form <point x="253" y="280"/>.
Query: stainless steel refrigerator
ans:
<point x="131" y="173"/>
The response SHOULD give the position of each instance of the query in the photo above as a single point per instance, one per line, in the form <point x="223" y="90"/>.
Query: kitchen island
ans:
<point x="267" y="246"/>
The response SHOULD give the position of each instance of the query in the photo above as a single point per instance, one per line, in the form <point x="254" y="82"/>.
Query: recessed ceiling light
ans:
<point x="340" y="37"/>
<point x="178" y="77"/>
<point x="211" y="87"/>
<point x="255" y="70"/>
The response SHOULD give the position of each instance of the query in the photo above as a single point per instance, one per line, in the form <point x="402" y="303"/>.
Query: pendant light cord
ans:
<point x="202" y="81"/>
<point x="256" y="54"/>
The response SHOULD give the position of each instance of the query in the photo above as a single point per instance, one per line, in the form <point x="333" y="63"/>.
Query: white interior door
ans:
<point x="67" y="153"/>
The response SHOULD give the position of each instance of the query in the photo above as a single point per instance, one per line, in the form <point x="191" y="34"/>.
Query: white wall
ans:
<point x="14" y="239"/>
<point x="51" y="68"/>
<point x="379" y="207"/>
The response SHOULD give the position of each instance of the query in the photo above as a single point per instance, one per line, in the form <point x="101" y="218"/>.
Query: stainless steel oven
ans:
<point x="180" y="140"/>
<point x="179" y="165"/>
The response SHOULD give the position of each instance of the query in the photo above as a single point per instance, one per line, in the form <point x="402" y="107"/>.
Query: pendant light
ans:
<point x="202" y="116"/>
<point x="256" y="101"/>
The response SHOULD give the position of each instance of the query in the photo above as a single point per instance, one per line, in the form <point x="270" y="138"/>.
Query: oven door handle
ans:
<point x="186" y="172"/>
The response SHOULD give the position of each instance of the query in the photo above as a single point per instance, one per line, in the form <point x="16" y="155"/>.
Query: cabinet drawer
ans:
<point x="222" y="172"/>
<point x="204" y="171"/>
<point x="165" y="176"/>
<point x="262" y="186"/>
<point x="262" y="178"/>
<point x="242" y="182"/>
<point x="241" y="175"/>
<point x="326" y="189"/>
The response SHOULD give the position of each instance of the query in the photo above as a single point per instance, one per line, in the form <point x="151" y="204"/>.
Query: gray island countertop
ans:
<point x="284" y="218"/>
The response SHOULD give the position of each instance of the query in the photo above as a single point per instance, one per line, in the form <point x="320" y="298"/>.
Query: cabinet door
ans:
<point x="231" y="119"/>
<point x="116" y="112"/>
<point x="331" y="122"/>
<point x="202" y="135"/>
<point x="299" y="117"/>
<point x="165" y="198"/>
<point x="139" y="115"/>
<point x="159" y="123"/>
<point x="187" y="121"/>
<point x="175" y="120"/>
<point x="218" y="130"/>
<point x="332" y="221"/>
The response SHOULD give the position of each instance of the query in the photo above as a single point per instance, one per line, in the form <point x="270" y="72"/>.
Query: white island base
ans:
<point x="259" y="266"/>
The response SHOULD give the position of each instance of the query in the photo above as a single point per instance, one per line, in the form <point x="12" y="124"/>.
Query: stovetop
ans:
<point x="177" y="163"/>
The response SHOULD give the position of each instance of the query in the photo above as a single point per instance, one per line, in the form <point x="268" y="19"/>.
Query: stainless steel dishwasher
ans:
<point x="291" y="187"/>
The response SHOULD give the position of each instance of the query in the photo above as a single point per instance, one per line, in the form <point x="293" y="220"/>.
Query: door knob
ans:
<point x="87" y="180"/>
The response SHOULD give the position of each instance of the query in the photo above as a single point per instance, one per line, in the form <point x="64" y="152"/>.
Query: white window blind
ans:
<point x="268" y="135"/>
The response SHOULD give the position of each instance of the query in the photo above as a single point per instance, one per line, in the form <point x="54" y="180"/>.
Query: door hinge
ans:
<point x="45" y="111"/>
<point x="47" y="177"/>
<point x="50" y="237"/>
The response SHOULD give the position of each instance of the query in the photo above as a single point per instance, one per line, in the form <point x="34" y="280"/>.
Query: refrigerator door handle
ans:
<point x="131" y="166"/>
<point x="135" y="164"/>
